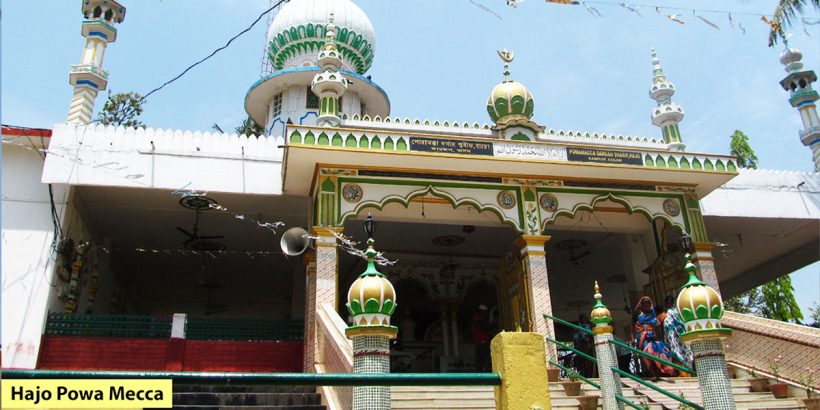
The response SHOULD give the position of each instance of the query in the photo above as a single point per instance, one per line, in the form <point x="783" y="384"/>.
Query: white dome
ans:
<point x="298" y="32"/>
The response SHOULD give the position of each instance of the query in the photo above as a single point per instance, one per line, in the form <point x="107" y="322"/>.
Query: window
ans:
<point x="276" y="111"/>
<point x="312" y="100"/>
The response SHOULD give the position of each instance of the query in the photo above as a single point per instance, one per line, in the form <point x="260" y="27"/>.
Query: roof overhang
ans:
<point x="490" y="157"/>
<point x="260" y="94"/>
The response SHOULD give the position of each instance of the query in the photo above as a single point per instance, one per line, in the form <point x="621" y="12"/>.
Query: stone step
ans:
<point x="443" y="397"/>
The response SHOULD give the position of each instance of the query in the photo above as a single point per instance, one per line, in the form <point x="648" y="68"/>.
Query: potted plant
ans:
<point x="587" y="402"/>
<point x="757" y="384"/>
<point x="553" y="374"/>
<point x="779" y="389"/>
<point x="812" y="401"/>
<point x="573" y="386"/>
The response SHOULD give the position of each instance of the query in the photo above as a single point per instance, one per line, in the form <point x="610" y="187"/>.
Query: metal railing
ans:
<point x="197" y="328"/>
<point x="282" y="379"/>
<point x="619" y="371"/>
<point x="66" y="324"/>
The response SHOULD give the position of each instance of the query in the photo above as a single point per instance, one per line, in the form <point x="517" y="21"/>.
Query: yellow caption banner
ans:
<point x="86" y="394"/>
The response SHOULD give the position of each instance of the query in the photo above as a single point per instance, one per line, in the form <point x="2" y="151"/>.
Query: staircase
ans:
<point x="246" y="397"/>
<point x="688" y="387"/>
<point x="443" y="397"/>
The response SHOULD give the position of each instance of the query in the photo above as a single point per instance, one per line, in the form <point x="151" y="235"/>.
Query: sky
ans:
<point x="437" y="60"/>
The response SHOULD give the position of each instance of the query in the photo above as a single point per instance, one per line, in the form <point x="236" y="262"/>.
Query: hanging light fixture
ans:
<point x="686" y="243"/>
<point x="369" y="226"/>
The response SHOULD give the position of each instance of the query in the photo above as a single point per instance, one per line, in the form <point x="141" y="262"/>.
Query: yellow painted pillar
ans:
<point x="539" y="301"/>
<point x="519" y="358"/>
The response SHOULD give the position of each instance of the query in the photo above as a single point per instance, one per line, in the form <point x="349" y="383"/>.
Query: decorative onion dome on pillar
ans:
<point x="667" y="115"/>
<point x="88" y="77"/>
<point x="600" y="315"/>
<point x="371" y="301"/>
<point x="330" y="84"/>
<point x="700" y="307"/>
<point x="798" y="83"/>
<point x="511" y="106"/>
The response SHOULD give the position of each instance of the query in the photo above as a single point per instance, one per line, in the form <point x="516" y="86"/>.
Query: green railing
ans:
<point x="618" y="397"/>
<point x="243" y="329"/>
<point x="657" y="389"/>
<point x="651" y="357"/>
<point x="64" y="324"/>
<point x="282" y="379"/>
<point x="619" y="371"/>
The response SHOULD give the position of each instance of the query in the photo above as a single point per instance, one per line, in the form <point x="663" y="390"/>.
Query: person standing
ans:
<point x="481" y="338"/>
<point x="672" y="328"/>
<point x="647" y="337"/>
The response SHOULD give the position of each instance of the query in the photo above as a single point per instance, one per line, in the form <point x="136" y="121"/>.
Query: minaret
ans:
<point x="667" y="114"/>
<point x="802" y="96"/>
<point x="88" y="77"/>
<point x="329" y="85"/>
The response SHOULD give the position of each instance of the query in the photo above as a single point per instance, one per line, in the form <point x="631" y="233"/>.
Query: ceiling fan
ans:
<point x="195" y="241"/>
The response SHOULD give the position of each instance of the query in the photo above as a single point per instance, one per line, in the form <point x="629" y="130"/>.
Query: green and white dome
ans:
<point x="510" y="100"/>
<point x="297" y="34"/>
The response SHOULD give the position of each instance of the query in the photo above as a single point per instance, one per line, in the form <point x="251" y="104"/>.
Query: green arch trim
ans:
<point x="434" y="191"/>
<point x="614" y="198"/>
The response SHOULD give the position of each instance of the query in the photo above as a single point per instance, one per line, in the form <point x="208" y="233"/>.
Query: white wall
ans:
<point x="109" y="156"/>
<point x="27" y="263"/>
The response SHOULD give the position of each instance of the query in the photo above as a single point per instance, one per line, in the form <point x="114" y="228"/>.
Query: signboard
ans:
<point x="451" y="146"/>
<point x="604" y="155"/>
<point x="529" y="151"/>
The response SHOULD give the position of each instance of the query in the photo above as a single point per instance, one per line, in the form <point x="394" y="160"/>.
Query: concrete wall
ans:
<point x="27" y="263"/>
<point x="166" y="159"/>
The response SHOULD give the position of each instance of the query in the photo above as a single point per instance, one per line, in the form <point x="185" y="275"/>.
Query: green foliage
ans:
<point x="785" y="12"/>
<point x="247" y="127"/>
<point x="740" y="148"/>
<point x="573" y="375"/>
<point x="746" y="303"/>
<point x="122" y="109"/>
<point x="814" y="315"/>
<point x="779" y="302"/>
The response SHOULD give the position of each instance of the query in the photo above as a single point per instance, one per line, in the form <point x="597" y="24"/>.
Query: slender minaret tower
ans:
<point x="802" y="96"/>
<point x="329" y="85"/>
<point x="88" y="77"/>
<point x="667" y="114"/>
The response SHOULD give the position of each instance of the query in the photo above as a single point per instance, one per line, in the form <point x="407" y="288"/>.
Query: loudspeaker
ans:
<point x="295" y="241"/>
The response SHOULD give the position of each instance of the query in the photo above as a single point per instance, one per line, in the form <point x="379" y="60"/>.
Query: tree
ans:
<point x="774" y="300"/>
<point x="740" y="148"/>
<point x="814" y="315"/>
<point x="122" y="109"/>
<point x="746" y="303"/>
<point x="784" y="13"/>
<point x="779" y="302"/>
<point x="247" y="127"/>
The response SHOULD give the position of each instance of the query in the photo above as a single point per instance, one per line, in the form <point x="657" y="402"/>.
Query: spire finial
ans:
<point x="506" y="56"/>
<point x="598" y="295"/>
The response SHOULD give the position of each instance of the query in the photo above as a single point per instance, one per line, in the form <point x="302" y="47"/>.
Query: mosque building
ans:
<point x="172" y="238"/>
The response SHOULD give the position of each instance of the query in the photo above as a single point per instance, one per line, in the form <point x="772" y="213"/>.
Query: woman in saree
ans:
<point x="672" y="328"/>
<point x="648" y="339"/>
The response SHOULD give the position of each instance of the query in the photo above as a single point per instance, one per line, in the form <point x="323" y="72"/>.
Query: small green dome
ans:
<point x="510" y="100"/>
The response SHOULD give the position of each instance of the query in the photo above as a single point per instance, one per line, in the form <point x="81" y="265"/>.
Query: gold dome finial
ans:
<point x="597" y="289"/>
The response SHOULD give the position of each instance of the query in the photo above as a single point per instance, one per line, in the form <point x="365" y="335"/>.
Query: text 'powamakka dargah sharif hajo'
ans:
<point x="170" y="259"/>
